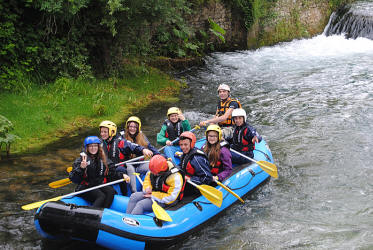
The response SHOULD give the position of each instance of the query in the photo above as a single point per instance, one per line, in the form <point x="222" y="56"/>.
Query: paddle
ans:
<point x="67" y="181"/>
<point x="268" y="167"/>
<point x="63" y="182"/>
<point x="159" y="212"/>
<point x="39" y="203"/>
<point x="212" y="194"/>
<point x="229" y="190"/>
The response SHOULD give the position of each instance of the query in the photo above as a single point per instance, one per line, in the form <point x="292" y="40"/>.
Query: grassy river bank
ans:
<point x="44" y="114"/>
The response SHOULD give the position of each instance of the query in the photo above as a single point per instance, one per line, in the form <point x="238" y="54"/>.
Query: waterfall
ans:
<point x="353" y="20"/>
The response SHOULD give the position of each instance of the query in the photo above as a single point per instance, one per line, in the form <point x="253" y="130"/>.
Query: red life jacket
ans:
<point x="219" y="166"/>
<point x="185" y="161"/>
<point x="239" y="141"/>
<point x="112" y="151"/>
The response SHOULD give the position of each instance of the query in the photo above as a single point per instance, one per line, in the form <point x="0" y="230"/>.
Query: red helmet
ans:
<point x="158" y="164"/>
<point x="190" y="136"/>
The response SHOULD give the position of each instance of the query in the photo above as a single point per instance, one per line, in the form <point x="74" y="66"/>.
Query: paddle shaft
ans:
<point x="229" y="190"/>
<point x="92" y="188"/>
<point x="245" y="156"/>
<point x="40" y="203"/>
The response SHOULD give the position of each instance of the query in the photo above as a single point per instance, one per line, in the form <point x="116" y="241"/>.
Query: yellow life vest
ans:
<point x="222" y="108"/>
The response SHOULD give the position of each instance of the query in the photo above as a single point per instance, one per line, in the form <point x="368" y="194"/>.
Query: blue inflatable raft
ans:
<point x="73" y="218"/>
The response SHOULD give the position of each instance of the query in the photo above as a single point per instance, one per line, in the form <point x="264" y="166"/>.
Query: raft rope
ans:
<point x="266" y="155"/>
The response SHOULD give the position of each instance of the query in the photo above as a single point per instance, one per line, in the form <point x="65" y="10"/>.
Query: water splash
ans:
<point x="355" y="20"/>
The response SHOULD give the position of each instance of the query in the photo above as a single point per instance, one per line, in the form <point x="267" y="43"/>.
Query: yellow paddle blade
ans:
<point x="212" y="194"/>
<point x="60" y="183"/>
<point x="230" y="191"/>
<point x="69" y="169"/>
<point x="268" y="167"/>
<point x="39" y="203"/>
<point x="160" y="213"/>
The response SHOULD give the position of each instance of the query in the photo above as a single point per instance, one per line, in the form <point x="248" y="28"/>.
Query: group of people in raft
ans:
<point x="164" y="182"/>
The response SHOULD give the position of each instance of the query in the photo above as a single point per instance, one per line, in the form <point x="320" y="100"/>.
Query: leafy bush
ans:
<point x="6" y="138"/>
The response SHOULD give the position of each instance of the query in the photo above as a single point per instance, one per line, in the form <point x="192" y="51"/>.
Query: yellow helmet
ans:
<point x="214" y="127"/>
<point x="111" y="126"/>
<point x="134" y="119"/>
<point x="173" y="110"/>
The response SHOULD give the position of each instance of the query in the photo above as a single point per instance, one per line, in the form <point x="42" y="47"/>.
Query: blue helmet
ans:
<point x="91" y="140"/>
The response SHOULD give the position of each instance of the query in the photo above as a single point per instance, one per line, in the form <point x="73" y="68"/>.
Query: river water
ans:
<point x="311" y="99"/>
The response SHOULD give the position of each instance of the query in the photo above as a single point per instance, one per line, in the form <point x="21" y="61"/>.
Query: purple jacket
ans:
<point x="226" y="161"/>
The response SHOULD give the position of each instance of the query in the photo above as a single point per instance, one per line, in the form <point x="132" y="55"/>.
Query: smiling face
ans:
<point x="185" y="145"/>
<point x="223" y="94"/>
<point x="173" y="118"/>
<point x="132" y="127"/>
<point x="92" y="148"/>
<point x="212" y="137"/>
<point x="238" y="120"/>
<point x="104" y="133"/>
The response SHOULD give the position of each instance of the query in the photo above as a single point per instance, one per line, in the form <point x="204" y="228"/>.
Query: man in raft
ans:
<point x="223" y="115"/>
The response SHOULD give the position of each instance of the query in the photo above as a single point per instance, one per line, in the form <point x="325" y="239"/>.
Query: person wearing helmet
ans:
<point x="164" y="183"/>
<point x="244" y="137"/>
<point x="223" y="115"/>
<point x="118" y="150"/>
<point x="92" y="169"/>
<point x="194" y="163"/>
<point x="133" y="133"/>
<point x="173" y="126"/>
<point x="218" y="153"/>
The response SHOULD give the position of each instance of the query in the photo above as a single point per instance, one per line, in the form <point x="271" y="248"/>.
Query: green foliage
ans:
<point x="6" y="138"/>
<point x="217" y="30"/>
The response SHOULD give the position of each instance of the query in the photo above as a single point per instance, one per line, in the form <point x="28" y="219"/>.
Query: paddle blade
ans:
<point x="230" y="191"/>
<point x="212" y="194"/>
<point x="69" y="169"/>
<point x="160" y="213"/>
<point x="60" y="183"/>
<point x="268" y="167"/>
<point x="39" y="203"/>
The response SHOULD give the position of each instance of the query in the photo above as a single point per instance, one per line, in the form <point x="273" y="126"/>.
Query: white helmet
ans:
<point x="224" y="87"/>
<point x="239" y="112"/>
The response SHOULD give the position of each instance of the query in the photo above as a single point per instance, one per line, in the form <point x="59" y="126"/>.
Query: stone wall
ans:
<point x="235" y="37"/>
<point x="287" y="19"/>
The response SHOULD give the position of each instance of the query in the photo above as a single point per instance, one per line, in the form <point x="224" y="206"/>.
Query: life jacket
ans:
<point x="173" y="131"/>
<point x="95" y="171"/>
<point x="159" y="181"/>
<point x="185" y="161"/>
<point x="222" y="108"/>
<point x="219" y="166"/>
<point x="239" y="142"/>
<point x="112" y="151"/>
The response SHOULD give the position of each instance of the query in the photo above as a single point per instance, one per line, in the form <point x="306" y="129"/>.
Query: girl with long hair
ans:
<point x="134" y="134"/>
<point x="218" y="153"/>
<point x="93" y="169"/>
